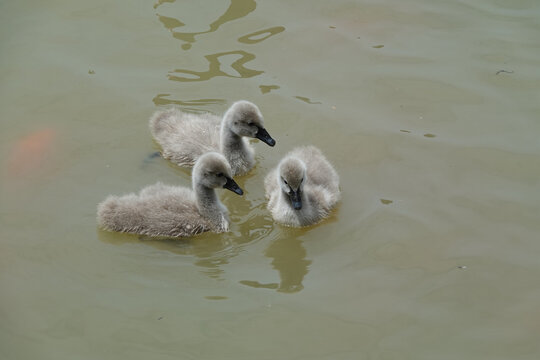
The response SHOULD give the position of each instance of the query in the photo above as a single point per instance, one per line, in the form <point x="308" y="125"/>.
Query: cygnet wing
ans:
<point x="158" y="210"/>
<point x="184" y="137"/>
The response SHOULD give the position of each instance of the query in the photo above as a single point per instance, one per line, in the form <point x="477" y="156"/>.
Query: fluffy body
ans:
<point x="306" y="171"/>
<point x="184" y="137"/>
<point x="164" y="210"/>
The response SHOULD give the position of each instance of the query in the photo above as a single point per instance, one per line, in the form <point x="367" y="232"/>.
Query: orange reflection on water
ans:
<point x="30" y="154"/>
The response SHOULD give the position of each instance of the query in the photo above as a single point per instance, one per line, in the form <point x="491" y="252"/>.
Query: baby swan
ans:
<point x="162" y="210"/>
<point x="303" y="188"/>
<point x="184" y="137"/>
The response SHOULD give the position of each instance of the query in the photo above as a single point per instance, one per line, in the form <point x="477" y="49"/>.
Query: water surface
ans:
<point x="428" y="110"/>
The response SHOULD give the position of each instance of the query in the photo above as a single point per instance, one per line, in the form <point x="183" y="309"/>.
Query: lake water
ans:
<point x="430" y="112"/>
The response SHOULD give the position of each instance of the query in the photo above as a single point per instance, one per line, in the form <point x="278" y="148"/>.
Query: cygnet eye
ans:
<point x="251" y="123"/>
<point x="220" y="174"/>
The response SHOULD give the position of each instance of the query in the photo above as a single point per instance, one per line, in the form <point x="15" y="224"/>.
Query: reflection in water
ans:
<point x="237" y="9"/>
<point x="214" y="68"/>
<point x="170" y="23"/>
<point x="32" y="154"/>
<point x="289" y="259"/>
<point x="250" y="223"/>
<point x="159" y="2"/>
<point x="255" y="37"/>
<point x="307" y="100"/>
<point x="219" y="64"/>
<point x="259" y="285"/>
<point x="213" y="263"/>
<point x="188" y="105"/>
<point x="267" y="88"/>
<point x="211" y="251"/>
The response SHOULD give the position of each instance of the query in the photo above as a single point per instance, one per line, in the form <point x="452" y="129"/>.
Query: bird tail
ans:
<point x="118" y="214"/>
<point x="162" y="122"/>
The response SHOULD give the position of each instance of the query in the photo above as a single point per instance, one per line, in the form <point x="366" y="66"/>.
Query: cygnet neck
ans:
<point x="206" y="198"/>
<point x="230" y="141"/>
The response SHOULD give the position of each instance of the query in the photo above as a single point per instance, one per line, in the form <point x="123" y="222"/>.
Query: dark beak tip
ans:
<point x="263" y="135"/>
<point x="233" y="186"/>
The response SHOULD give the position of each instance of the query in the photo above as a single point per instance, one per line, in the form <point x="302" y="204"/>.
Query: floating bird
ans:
<point x="163" y="210"/>
<point x="303" y="188"/>
<point x="184" y="137"/>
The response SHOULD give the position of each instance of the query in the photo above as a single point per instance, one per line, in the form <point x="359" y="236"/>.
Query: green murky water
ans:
<point x="429" y="111"/>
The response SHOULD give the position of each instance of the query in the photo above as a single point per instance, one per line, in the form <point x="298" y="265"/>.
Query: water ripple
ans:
<point x="307" y="100"/>
<point x="237" y="10"/>
<point x="187" y="105"/>
<point x="267" y="88"/>
<point x="214" y="68"/>
<point x="161" y="2"/>
<point x="255" y="37"/>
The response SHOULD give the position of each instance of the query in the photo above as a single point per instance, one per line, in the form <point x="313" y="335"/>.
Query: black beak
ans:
<point x="263" y="135"/>
<point x="296" y="200"/>
<point x="233" y="186"/>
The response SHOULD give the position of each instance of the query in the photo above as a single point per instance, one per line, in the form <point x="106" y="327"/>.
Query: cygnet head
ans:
<point x="212" y="170"/>
<point x="292" y="174"/>
<point x="245" y="119"/>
